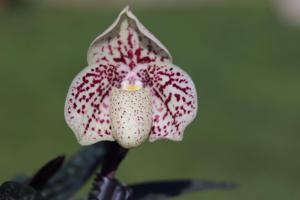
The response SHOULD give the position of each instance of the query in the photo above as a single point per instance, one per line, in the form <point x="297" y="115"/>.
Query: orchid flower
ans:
<point x="130" y="90"/>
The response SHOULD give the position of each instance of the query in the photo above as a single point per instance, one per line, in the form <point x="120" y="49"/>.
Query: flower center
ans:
<point x="131" y="83"/>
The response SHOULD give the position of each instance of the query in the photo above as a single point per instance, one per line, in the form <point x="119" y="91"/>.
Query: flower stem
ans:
<point x="106" y="186"/>
<point x="112" y="161"/>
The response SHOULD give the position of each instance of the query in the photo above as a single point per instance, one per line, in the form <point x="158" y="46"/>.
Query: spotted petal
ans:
<point x="127" y="41"/>
<point x="174" y="97"/>
<point x="128" y="48"/>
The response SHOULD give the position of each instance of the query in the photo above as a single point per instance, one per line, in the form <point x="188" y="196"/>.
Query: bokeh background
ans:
<point x="244" y="57"/>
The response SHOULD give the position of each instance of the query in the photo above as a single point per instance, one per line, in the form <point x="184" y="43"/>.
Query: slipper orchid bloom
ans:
<point x="130" y="90"/>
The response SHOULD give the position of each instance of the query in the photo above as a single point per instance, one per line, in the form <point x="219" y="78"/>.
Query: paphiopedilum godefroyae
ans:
<point x="130" y="90"/>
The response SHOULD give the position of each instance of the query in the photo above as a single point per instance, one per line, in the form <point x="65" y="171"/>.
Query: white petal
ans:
<point x="87" y="104"/>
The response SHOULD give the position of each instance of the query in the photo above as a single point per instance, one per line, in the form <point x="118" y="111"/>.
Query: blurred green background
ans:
<point x="244" y="61"/>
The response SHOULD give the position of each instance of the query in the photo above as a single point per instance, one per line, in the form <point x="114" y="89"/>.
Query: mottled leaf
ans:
<point x="18" y="191"/>
<point x="166" y="189"/>
<point x="40" y="179"/>
<point x="76" y="172"/>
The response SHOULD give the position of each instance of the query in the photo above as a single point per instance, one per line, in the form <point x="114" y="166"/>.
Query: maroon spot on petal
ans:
<point x="177" y="96"/>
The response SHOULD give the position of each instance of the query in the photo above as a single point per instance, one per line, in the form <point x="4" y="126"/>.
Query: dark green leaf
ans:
<point x="167" y="189"/>
<point x="18" y="191"/>
<point x="76" y="172"/>
<point x="40" y="179"/>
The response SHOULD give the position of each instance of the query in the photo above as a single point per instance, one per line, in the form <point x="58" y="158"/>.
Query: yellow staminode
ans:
<point x="132" y="87"/>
